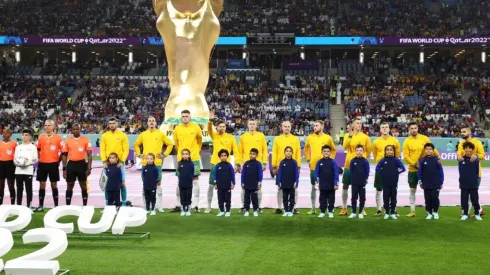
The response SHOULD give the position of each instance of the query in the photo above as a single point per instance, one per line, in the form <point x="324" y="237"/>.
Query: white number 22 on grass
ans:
<point x="38" y="262"/>
<point x="6" y="244"/>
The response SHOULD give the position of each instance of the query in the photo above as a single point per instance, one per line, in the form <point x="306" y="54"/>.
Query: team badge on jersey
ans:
<point x="53" y="147"/>
<point x="9" y="151"/>
<point x="80" y="149"/>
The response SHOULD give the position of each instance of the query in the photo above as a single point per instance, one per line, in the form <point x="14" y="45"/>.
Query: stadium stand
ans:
<point x="305" y="18"/>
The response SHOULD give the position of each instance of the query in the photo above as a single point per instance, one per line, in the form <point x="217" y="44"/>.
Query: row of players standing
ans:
<point x="188" y="136"/>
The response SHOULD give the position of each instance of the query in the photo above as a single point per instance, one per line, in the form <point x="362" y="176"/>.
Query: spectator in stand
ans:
<point x="240" y="18"/>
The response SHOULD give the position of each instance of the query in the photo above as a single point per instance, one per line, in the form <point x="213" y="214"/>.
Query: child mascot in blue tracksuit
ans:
<point x="186" y="177"/>
<point x="252" y="176"/>
<point x="224" y="182"/>
<point x="431" y="179"/>
<point x="114" y="181"/>
<point x="327" y="181"/>
<point x="390" y="167"/>
<point x="150" y="180"/>
<point x="359" y="168"/>
<point x="287" y="180"/>
<point x="468" y="181"/>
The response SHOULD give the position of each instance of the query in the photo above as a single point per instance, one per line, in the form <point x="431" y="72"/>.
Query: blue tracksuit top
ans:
<point x="288" y="174"/>
<point x="327" y="174"/>
<point x="431" y="173"/>
<point x="150" y="176"/>
<point x="186" y="173"/>
<point x="468" y="173"/>
<point x="114" y="178"/>
<point x="359" y="169"/>
<point x="224" y="175"/>
<point x="252" y="175"/>
<point x="390" y="168"/>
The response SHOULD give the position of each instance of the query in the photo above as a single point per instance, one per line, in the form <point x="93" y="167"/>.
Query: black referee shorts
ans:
<point x="51" y="170"/>
<point x="75" y="170"/>
<point x="7" y="170"/>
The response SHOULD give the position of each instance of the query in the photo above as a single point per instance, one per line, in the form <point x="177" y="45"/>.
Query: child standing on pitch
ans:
<point x="390" y="167"/>
<point x="150" y="179"/>
<point x="287" y="180"/>
<point x="114" y="180"/>
<point x="468" y="181"/>
<point x="359" y="169"/>
<point x="327" y="181"/>
<point x="431" y="179"/>
<point x="224" y="182"/>
<point x="186" y="176"/>
<point x="25" y="157"/>
<point x="252" y="182"/>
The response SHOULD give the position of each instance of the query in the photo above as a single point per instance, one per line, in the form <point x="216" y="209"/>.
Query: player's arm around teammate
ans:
<point x="75" y="167"/>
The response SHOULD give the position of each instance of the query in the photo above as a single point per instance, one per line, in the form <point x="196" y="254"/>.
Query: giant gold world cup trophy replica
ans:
<point x="190" y="29"/>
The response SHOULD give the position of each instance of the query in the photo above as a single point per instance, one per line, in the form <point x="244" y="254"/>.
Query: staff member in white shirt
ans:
<point x="25" y="157"/>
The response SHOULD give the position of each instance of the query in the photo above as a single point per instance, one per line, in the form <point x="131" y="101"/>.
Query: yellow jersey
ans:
<point x="188" y="137"/>
<point x="413" y="150"/>
<point x="280" y="143"/>
<point x="153" y="142"/>
<point x="223" y="141"/>
<point x="478" y="150"/>
<point x="114" y="142"/>
<point x="379" y="147"/>
<point x="313" y="148"/>
<point x="350" y="143"/>
<point x="247" y="142"/>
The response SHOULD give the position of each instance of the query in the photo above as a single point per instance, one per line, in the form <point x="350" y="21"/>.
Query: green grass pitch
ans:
<point x="271" y="244"/>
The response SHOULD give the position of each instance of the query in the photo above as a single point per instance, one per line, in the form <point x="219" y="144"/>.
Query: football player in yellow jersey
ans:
<point x="313" y="152"/>
<point x="188" y="135"/>
<point x="153" y="141"/>
<point x="221" y="140"/>
<point x="355" y="137"/>
<point x="278" y="147"/>
<point x="248" y="141"/>
<point x="379" y="146"/>
<point x="413" y="151"/>
<point x="115" y="141"/>
<point x="478" y="153"/>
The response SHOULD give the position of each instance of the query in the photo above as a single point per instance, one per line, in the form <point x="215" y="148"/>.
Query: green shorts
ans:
<point x="159" y="172"/>
<point x="197" y="168"/>
<point x="413" y="178"/>
<point x="378" y="182"/>
<point x="312" y="177"/>
<point x="346" y="179"/>
<point x="211" y="174"/>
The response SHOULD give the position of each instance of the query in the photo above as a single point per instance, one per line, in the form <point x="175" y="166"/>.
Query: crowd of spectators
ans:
<point x="130" y="99"/>
<point x="26" y="102"/>
<point x="235" y="100"/>
<point x="302" y="17"/>
<point x="271" y="103"/>
<point x="436" y="103"/>
<point x="415" y="18"/>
